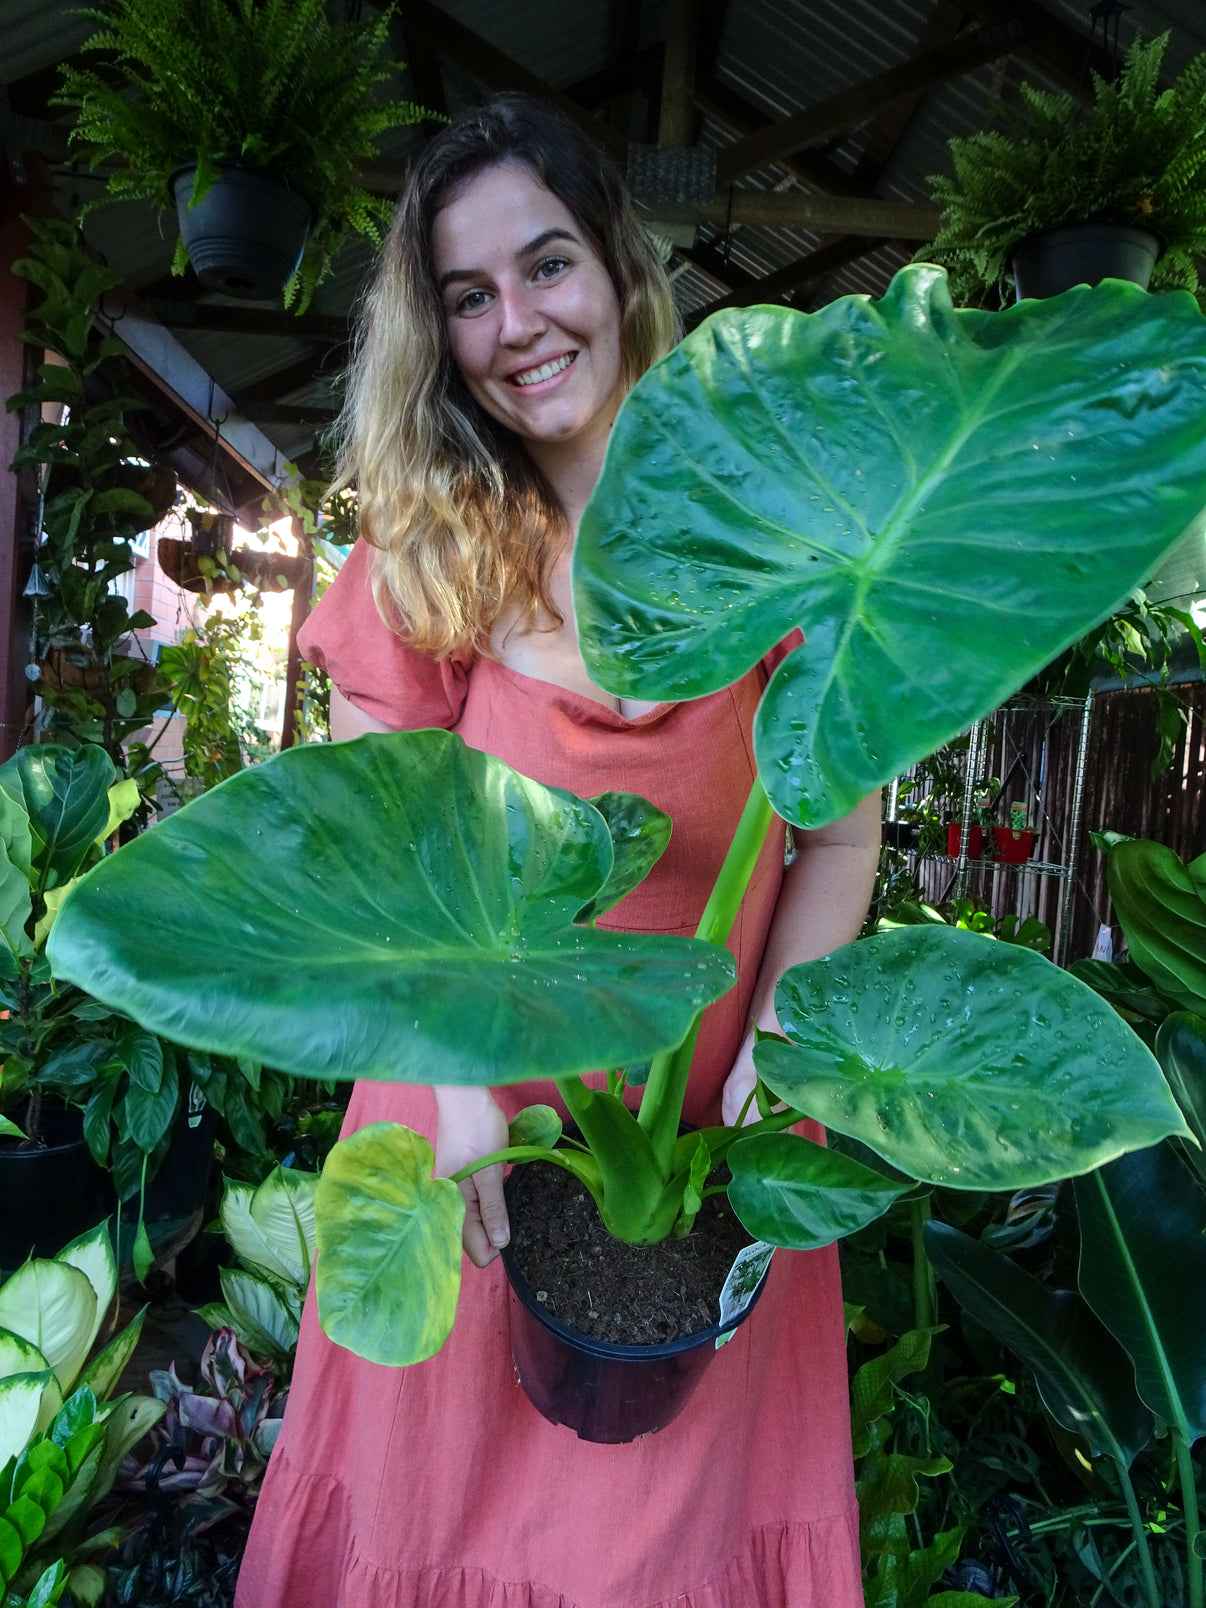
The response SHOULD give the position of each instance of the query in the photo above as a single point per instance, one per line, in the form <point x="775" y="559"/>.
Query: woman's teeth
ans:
<point x="544" y="372"/>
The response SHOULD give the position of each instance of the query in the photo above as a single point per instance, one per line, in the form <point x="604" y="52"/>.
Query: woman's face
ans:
<point x="532" y="315"/>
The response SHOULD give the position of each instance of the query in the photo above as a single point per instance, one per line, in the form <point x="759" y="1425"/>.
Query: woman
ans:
<point x="517" y="302"/>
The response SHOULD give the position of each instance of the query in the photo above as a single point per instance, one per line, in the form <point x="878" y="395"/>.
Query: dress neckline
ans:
<point x="553" y="691"/>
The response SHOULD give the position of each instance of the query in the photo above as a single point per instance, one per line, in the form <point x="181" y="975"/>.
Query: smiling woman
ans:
<point x="517" y="303"/>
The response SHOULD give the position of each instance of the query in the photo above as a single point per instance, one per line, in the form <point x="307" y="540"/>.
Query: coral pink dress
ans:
<point x="439" y="1485"/>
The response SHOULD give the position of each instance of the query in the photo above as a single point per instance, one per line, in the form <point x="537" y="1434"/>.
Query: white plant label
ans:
<point x="750" y="1264"/>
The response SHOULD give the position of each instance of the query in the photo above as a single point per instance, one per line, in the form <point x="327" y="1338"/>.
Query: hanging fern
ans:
<point x="1136" y="155"/>
<point x="269" y="84"/>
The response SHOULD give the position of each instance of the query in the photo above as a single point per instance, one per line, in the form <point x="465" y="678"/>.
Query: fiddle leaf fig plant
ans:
<point x="942" y="500"/>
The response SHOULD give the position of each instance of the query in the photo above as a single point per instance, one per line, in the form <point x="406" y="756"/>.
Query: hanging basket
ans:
<point x="179" y="562"/>
<point x="246" y="235"/>
<point x="1053" y="260"/>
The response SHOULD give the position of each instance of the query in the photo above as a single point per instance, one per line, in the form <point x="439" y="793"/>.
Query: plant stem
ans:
<point x="1140" y="1534"/>
<point x="924" y="1292"/>
<point x="1189" y="1506"/>
<point x="662" y="1104"/>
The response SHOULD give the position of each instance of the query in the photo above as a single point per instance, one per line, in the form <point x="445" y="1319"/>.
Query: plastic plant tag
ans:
<point x="750" y="1263"/>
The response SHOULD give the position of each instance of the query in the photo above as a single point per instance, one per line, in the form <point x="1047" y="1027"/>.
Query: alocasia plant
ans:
<point x="943" y="501"/>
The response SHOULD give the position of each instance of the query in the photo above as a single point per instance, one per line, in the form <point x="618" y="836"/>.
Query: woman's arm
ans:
<point x="825" y="894"/>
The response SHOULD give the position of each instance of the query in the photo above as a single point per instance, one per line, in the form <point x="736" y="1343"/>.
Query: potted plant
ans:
<point x="498" y="909"/>
<point x="251" y="122"/>
<point x="1065" y="194"/>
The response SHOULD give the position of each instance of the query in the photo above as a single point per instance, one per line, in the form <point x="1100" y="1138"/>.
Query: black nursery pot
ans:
<point x="1054" y="260"/>
<point x="604" y="1392"/>
<point x="51" y="1194"/>
<point x="246" y="235"/>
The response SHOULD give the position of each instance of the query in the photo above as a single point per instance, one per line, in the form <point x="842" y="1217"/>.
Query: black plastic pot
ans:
<point x="1054" y="260"/>
<point x="246" y="235"/>
<point x="49" y="1195"/>
<point x="604" y="1392"/>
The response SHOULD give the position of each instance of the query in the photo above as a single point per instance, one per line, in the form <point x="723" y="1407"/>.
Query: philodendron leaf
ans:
<point x="639" y="835"/>
<point x="1181" y="1052"/>
<point x="412" y="918"/>
<point x="1143" y="1271"/>
<point x="942" y="499"/>
<point x="790" y="1191"/>
<point x="1161" y="907"/>
<point x="389" y="1246"/>
<point x="66" y="794"/>
<point x="1084" y="1376"/>
<point x="963" y="1061"/>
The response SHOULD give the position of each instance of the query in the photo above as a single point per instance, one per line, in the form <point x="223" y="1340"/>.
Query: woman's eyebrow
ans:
<point x="541" y="240"/>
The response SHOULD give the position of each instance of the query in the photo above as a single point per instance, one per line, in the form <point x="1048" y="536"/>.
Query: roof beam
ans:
<point x="1048" y="42"/>
<point x="850" y="108"/>
<point x="823" y="214"/>
<point x="494" y="68"/>
<point x="182" y="314"/>
<point x="731" y="109"/>
<point x="886" y="132"/>
<point x="676" y="111"/>
<point x="795" y="275"/>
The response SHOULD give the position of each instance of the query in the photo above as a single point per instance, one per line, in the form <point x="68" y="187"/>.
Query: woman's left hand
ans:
<point x="738" y="1087"/>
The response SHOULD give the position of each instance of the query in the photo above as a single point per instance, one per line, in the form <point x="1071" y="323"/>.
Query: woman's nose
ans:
<point x="521" y="320"/>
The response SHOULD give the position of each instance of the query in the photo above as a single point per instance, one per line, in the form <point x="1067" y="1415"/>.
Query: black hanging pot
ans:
<point x="246" y="235"/>
<point x="1053" y="260"/>
<point x="605" y="1392"/>
<point x="50" y="1193"/>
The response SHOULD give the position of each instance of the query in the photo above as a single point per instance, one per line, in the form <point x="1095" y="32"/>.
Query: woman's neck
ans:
<point x="572" y="468"/>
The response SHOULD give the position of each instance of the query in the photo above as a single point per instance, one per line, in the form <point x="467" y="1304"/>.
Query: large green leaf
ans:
<point x="963" y="1061"/>
<point x="397" y="907"/>
<point x="790" y="1191"/>
<point x="1143" y="1271"/>
<point x="1181" y="1052"/>
<point x="65" y="792"/>
<point x="639" y="835"/>
<point x="53" y="1306"/>
<point x="16" y="895"/>
<point x="1084" y="1376"/>
<point x="1161" y="907"/>
<point x="943" y="500"/>
<point x="389" y="1246"/>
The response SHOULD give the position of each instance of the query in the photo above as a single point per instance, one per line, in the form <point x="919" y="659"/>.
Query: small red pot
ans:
<point x="975" y="840"/>
<point x="1013" y="847"/>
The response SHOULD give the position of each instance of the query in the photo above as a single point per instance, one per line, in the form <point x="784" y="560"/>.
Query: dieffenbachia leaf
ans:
<point x="389" y="1246"/>
<point x="942" y="499"/>
<point x="398" y="907"/>
<point x="963" y="1061"/>
<point x="1084" y="1376"/>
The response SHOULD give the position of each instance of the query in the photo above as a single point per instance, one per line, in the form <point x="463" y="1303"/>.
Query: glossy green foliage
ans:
<point x="65" y="794"/>
<point x="1181" y="1052"/>
<point x="398" y="907"/>
<point x="1084" y="1376"/>
<point x="942" y="500"/>
<point x="639" y="835"/>
<point x="389" y="1246"/>
<point x="42" y="1487"/>
<point x="1143" y="1271"/>
<point x="1161" y="905"/>
<point x="963" y="1062"/>
<point x="790" y="1191"/>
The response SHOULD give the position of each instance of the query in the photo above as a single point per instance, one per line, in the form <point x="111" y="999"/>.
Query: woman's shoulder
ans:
<point x="368" y="660"/>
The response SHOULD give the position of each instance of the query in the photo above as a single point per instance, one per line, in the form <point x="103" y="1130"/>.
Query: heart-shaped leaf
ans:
<point x="790" y="1191"/>
<point x="1143" y="1271"/>
<point x="1161" y="907"/>
<point x="534" y="1125"/>
<point x="639" y="835"/>
<point x="1084" y="1376"/>
<point x="942" y="499"/>
<point x="397" y="907"/>
<point x="389" y="1246"/>
<point x="963" y="1061"/>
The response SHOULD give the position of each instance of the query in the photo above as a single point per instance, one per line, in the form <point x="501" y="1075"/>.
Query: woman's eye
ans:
<point x="472" y="301"/>
<point x="550" y="267"/>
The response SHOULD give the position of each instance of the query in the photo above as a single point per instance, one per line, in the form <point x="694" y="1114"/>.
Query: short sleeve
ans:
<point x="772" y="660"/>
<point x="370" y="664"/>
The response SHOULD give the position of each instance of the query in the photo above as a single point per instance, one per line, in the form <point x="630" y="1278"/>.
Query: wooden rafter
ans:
<point x="885" y="133"/>
<point x="180" y="313"/>
<point x="801" y="209"/>
<point x="852" y="107"/>
<point x="676" y="109"/>
<point x="795" y="276"/>
<point x="731" y="109"/>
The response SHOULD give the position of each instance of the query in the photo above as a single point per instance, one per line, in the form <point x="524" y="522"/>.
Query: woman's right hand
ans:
<point x="471" y="1124"/>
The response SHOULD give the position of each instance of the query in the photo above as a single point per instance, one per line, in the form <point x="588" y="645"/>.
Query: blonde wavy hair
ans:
<point x="463" y="523"/>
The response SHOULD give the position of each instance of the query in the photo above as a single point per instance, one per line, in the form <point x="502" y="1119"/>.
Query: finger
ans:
<point x="492" y="1205"/>
<point x="473" y="1236"/>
